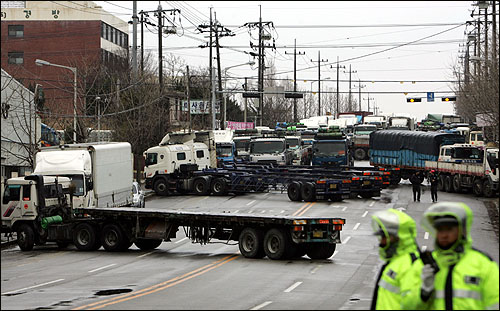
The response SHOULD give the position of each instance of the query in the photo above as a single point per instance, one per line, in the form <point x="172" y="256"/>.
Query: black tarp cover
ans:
<point x="420" y="142"/>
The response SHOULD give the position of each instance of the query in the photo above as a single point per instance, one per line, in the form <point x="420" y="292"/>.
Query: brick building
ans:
<point x="69" y="33"/>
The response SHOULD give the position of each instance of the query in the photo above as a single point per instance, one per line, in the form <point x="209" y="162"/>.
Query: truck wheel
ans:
<point x="456" y="184"/>
<point x="359" y="154"/>
<point x="320" y="250"/>
<point x="396" y="181"/>
<point x="487" y="189"/>
<point x="275" y="243"/>
<point x="219" y="186"/>
<point x="308" y="192"/>
<point x="148" y="244"/>
<point x="448" y="184"/>
<point x="200" y="186"/>
<point x="161" y="187"/>
<point x="41" y="237"/>
<point x="441" y="182"/>
<point x="366" y="195"/>
<point x="293" y="191"/>
<point x="85" y="237"/>
<point x="300" y="250"/>
<point x="477" y="187"/>
<point x="113" y="238"/>
<point x="25" y="237"/>
<point x="251" y="242"/>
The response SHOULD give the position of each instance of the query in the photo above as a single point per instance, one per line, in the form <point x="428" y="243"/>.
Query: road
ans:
<point x="182" y="275"/>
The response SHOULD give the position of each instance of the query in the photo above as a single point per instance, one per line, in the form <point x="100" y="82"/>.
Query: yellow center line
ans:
<point x="306" y="209"/>
<point x="160" y="286"/>
<point x="300" y="209"/>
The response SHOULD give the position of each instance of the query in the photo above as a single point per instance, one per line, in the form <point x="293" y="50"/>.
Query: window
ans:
<point x="16" y="31"/>
<point x="199" y="154"/>
<point x="12" y="193"/>
<point x="27" y="193"/>
<point x="16" y="58"/>
<point x="111" y="34"/>
<point x="181" y="156"/>
<point x="151" y="158"/>
<point x="117" y="35"/>
<point x="447" y="152"/>
<point x="125" y="41"/>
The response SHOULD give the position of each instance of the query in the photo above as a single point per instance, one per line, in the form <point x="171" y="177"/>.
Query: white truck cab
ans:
<point x="460" y="153"/>
<point x="475" y="138"/>
<point x="270" y="150"/>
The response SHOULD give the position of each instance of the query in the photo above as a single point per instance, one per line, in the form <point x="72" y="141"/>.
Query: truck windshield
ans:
<point x="267" y="147"/>
<point x="292" y="143"/>
<point x="51" y="192"/>
<point x="467" y="153"/>
<point x="329" y="149"/>
<point x="224" y="151"/>
<point x="363" y="130"/>
<point x="242" y="144"/>
<point x="77" y="180"/>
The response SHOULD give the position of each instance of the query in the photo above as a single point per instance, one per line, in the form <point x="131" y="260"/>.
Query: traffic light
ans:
<point x="413" y="100"/>
<point x="449" y="99"/>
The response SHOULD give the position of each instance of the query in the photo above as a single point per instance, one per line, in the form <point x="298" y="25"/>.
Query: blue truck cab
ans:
<point x="331" y="148"/>
<point x="226" y="153"/>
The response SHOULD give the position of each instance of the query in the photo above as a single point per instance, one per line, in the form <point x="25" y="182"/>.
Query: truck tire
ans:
<point x="41" y="237"/>
<point x="148" y="244"/>
<point x="308" y="192"/>
<point x="441" y="182"/>
<point x="477" y="187"/>
<point x="276" y="244"/>
<point x="366" y="194"/>
<point x="396" y="181"/>
<point x="86" y="237"/>
<point x="487" y="189"/>
<point x="294" y="191"/>
<point x="219" y="186"/>
<point x="113" y="238"/>
<point x="251" y="243"/>
<point x="457" y="187"/>
<point x="359" y="154"/>
<point x="25" y="237"/>
<point x="161" y="187"/>
<point x="448" y="186"/>
<point x="200" y="186"/>
<point x="320" y="250"/>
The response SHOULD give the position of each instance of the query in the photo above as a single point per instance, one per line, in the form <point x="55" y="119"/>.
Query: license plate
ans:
<point x="333" y="186"/>
<point x="367" y="182"/>
<point x="317" y="234"/>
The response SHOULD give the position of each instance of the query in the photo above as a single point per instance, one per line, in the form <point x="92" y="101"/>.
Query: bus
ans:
<point x="49" y="136"/>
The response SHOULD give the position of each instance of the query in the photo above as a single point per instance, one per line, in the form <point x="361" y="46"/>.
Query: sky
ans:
<point x="392" y="47"/>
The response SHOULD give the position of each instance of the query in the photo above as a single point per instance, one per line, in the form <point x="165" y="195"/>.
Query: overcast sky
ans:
<point x="388" y="40"/>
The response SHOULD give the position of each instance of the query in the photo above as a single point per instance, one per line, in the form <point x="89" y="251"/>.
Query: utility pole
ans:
<point x="486" y="52"/>
<point x="212" y="106"/>
<point x="368" y="101"/>
<point x="350" y="97"/>
<point x="222" y="126"/>
<point x="295" y="119"/>
<point x="160" y="48"/>
<point x="338" y="87"/>
<point x="319" y="80"/>
<point x="494" y="16"/>
<point x="188" y="80"/>
<point x="245" y="100"/>
<point x="359" y="92"/>
<point x="134" y="39"/>
<point x="142" y="42"/>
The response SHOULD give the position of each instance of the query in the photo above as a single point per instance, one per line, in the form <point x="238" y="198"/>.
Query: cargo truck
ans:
<point x="35" y="208"/>
<point x="331" y="148"/>
<point x="361" y="140"/>
<point x="101" y="173"/>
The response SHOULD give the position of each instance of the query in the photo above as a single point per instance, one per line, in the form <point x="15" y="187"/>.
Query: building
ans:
<point x="20" y="128"/>
<point x="77" y="34"/>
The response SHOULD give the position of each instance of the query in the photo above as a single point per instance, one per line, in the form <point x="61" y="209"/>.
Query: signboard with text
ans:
<point x="239" y="125"/>
<point x="199" y="107"/>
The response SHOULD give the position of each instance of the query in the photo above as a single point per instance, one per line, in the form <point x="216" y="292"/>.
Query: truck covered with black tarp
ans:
<point x="408" y="150"/>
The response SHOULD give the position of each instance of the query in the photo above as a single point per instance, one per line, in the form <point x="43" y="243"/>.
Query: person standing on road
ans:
<point x="433" y="179"/>
<point x="416" y="180"/>
<point x="397" y="247"/>
<point x="464" y="278"/>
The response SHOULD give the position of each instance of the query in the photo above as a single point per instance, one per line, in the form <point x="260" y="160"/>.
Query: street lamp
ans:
<point x="251" y="63"/>
<point x="40" y="62"/>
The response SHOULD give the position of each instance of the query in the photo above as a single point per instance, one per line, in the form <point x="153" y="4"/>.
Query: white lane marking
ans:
<point x="426" y="235"/>
<point x="345" y="207"/>
<point x="184" y="238"/>
<point x="102" y="268"/>
<point x="356" y="226"/>
<point x="250" y="212"/>
<point x="292" y="287"/>
<point x="144" y="255"/>
<point x="262" y="305"/>
<point x="315" y="269"/>
<point x="34" y="286"/>
<point x="364" y="214"/>
<point x="249" y="203"/>
<point x="236" y="211"/>
<point x="346" y="240"/>
<point x="371" y="204"/>
<point x="282" y="211"/>
<point x="263" y="212"/>
<point x="424" y="248"/>
<point x="267" y="194"/>
<point x="334" y="253"/>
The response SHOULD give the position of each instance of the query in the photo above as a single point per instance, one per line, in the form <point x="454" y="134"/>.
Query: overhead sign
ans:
<point x="199" y="107"/>
<point x="239" y="125"/>
<point x="430" y="96"/>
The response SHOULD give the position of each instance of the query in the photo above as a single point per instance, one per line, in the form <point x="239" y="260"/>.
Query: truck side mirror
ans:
<point x="89" y="184"/>
<point x="236" y="153"/>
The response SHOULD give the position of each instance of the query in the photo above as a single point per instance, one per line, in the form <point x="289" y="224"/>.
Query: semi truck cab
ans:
<point x="270" y="150"/>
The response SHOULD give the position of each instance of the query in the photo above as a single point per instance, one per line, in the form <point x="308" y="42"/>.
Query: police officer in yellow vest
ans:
<point x="464" y="278"/>
<point x="397" y="247"/>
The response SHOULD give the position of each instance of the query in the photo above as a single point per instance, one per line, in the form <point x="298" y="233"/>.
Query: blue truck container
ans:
<point x="408" y="150"/>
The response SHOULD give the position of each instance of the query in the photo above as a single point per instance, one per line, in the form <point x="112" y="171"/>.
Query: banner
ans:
<point x="239" y="125"/>
<point x="199" y="107"/>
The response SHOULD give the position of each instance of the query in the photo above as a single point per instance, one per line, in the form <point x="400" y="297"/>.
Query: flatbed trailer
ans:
<point x="277" y="237"/>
